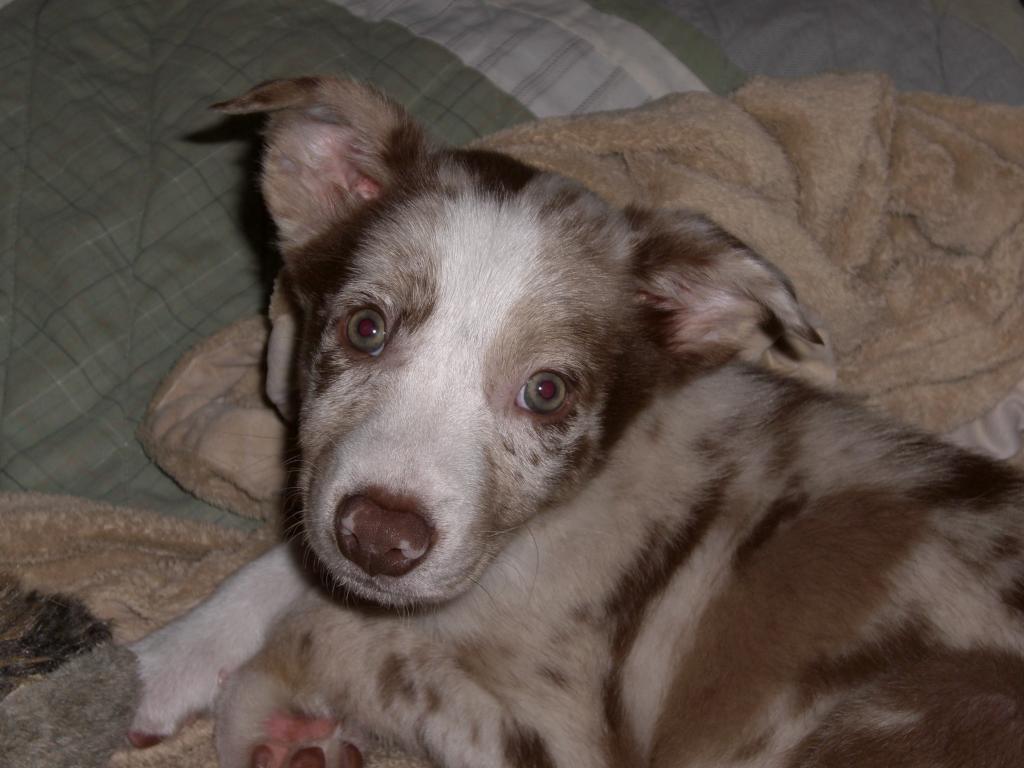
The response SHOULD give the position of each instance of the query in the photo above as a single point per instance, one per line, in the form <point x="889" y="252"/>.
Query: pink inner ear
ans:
<point x="698" y="314"/>
<point x="331" y="153"/>
<point x="314" y="172"/>
<point x="325" y="158"/>
<point x="366" y="188"/>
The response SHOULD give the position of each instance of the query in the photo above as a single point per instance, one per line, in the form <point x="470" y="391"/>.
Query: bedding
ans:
<point x="969" y="48"/>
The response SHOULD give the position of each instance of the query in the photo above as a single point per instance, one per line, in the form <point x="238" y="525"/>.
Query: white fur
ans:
<point x="182" y="664"/>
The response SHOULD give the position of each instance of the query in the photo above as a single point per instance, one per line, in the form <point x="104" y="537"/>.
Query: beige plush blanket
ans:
<point x="898" y="217"/>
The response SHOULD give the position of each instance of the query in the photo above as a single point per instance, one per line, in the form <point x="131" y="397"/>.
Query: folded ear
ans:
<point x="711" y="295"/>
<point x="332" y="145"/>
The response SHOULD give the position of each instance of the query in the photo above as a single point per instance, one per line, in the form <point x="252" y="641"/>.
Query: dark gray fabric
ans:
<point x="920" y="46"/>
<point x="73" y="718"/>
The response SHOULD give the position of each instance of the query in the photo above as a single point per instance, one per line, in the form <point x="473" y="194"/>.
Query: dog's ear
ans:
<point x="711" y="296"/>
<point x="332" y="145"/>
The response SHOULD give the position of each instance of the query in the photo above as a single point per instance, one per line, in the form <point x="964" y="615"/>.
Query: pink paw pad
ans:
<point x="143" y="740"/>
<point x="297" y="742"/>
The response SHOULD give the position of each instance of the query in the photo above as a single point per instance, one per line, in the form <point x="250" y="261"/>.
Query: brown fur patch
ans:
<point x="812" y="588"/>
<point x="906" y="644"/>
<point x="789" y="409"/>
<point x="713" y="448"/>
<point x="272" y="94"/>
<point x="653" y="567"/>
<point x="496" y="173"/>
<point x="394" y="679"/>
<point x="966" y="710"/>
<point x="583" y="614"/>
<point x="404" y="150"/>
<point x="632" y="386"/>
<point x="306" y="646"/>
<point x="561" y="200"/>
<point x="554" y="676"/>
<point x="974" y="480"/>
<point x="1005" y="547"/>
<point x="752" y="748"/>
<point x="648" y="575"/>
<point x="655" y="430"/>
<point x="620" y="747"/>
<point x="481" y="663"/>
<point x="1013" y="596"/>
<point x="434" y="700"/>
<point x="524" y="748"/>
<point x="783" y="508"/>
<point x="579" y="455"/>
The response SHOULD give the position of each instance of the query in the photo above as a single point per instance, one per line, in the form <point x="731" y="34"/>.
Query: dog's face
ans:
<point x="475" y="333"/>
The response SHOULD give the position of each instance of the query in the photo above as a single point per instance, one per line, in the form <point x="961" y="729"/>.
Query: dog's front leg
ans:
<point x="180" y="665"/>
<point x="328" y="676"/>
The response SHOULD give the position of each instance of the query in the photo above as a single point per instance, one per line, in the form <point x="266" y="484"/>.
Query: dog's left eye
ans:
<point x="366" y="331"/>
<point x="543" y="393"/>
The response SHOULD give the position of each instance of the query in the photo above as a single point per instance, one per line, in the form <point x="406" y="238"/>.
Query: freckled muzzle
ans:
<point x="382" y="534"/>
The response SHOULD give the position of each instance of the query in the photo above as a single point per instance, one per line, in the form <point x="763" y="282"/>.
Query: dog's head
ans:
<point x="475" y="334"/>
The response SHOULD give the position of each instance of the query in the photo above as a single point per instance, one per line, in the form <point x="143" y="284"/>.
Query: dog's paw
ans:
<point x="178" y="680"/>
<point x="297" y="742"/>
<point x="257" y="726"/>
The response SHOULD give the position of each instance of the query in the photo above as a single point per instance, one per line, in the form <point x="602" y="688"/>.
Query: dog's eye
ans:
<point x="366" y="331"/>
<point x="543" y="393"/>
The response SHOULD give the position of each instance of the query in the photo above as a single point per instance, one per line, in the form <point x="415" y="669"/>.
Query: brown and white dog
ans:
<point x="581" y="532"/>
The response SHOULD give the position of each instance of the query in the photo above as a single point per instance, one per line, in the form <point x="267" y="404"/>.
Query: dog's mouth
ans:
<point x="395" y="560"/>
<point x="397" y="591"/>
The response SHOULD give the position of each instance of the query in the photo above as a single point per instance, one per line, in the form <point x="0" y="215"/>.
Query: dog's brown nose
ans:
<point x="380" y="533"/>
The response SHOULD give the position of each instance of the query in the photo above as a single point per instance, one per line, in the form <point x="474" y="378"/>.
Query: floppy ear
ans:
<point x="332" y="145"/>
<point x="711" y="295"/>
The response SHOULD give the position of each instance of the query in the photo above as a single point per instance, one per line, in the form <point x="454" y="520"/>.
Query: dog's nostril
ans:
<point x="381" y="534"/>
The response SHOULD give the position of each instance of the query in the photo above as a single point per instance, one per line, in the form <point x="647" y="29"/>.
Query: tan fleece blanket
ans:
<point x="898" y="216"/>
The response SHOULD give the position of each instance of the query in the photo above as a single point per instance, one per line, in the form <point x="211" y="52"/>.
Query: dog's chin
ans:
<point x="407" y="591"/>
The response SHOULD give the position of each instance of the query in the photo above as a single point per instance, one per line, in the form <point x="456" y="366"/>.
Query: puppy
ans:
<point x="579" y="530"/>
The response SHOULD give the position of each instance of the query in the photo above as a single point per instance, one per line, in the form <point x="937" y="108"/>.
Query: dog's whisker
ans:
<point x="484" y="589"/>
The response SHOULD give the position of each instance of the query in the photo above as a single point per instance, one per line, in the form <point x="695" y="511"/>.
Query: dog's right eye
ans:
<point x="366" y="331"/>
<point x="543" y="393"/>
